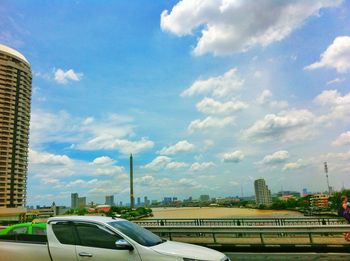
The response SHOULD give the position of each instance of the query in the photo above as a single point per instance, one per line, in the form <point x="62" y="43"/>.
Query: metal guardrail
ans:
<point x="241" y="222"/>
<point x="258" y="231"/>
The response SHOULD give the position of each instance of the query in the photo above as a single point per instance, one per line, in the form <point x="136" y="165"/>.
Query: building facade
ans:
<point x="319" y="201"/>
<point x="74" y="200"/>
<point x="81" y="202"/>
<point x="109" y="200"/>
<point x="15" y="99"/>
<point x="262" y="193"/>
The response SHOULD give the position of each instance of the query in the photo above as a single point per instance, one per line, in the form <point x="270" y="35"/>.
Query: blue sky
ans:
<point x="208" y="95"/>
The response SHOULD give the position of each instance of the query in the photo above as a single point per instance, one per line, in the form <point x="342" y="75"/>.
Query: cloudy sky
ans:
<point x="207" y="94"/>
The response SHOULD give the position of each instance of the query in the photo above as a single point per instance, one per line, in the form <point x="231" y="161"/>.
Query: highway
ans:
<point x="249" y="256"/>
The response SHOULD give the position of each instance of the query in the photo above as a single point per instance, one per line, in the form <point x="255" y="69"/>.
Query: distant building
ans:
<point x="138" y="201"/>
<point x="109" y="200"/>
<point x="285" y="193"/>
<point x="74" y="200"/>
<point x="304" y="192"/>
<point x="81" y="202"/>
<point x="204" y="198"/>
<point x="262" y="193"/>
<point x="174" y="198"/>
<point x="146" y="201"/>
<point x="167" y="200"/>
<point x="319" y="200"/>
<point x="120" y="203"/>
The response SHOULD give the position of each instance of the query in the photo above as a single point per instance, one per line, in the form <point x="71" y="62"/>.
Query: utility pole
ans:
<point x="326" y="171"/>
<point x="132" y="200"/>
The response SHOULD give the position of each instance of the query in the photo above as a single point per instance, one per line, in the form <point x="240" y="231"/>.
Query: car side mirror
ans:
<point x="122" y="244"/>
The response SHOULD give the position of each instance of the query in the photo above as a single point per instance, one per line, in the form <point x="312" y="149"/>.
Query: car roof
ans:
<point x="99" y="219"/>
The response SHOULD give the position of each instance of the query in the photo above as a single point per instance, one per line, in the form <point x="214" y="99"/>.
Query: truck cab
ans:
<point x="94" y="238"/>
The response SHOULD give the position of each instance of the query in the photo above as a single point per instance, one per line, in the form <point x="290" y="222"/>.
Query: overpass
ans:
<point x="241" y="221"/>
<point x="318" y="235"/>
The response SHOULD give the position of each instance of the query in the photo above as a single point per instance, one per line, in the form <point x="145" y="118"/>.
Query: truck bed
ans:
<point x="24" y="247"/>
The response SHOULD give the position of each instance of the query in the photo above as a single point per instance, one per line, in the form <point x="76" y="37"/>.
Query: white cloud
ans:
<point x="164" y="162"/>
<point x="107" y="142"/>
<point x="46" y="165"/>
<point x="201" y="166"/>
<point x="158" y="163"/>
<point x="48" y="127"/>
<point x="108" y="171"/>
<point x="275" y="158"/>
<point x="61" y="127"/>
<point x="145" y="180"/>
<point x="233" y="157"/>
<point x="220" y="86"/>
<point x="234" y="183"/>
<point x="104" y="160"/>
<point x="176" y="165"/>
<point x="294" y="165"/>
<point x="336" y="80"/>
<point x="37" y="157"/>
<point x="211" y="106"/>
<point x="170" y="185"/>
<point x="63" y="77"/>
<point x="343" y="139"/>
<point x="336" y="56"/>
<point x="210" y="122"/>
<point x="189" y="183"/>
<point x="339" y="105"/>
<point x="265" y="98"/>
<point x="229" y="26"/>
<point x="181" y="146"/>
<point x="88" y="120"/>
<point x="287" y="125"/>
<point x="208" y="144"/>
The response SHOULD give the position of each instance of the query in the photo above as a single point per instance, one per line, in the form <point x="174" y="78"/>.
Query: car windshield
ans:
<point x="137" y="233"/>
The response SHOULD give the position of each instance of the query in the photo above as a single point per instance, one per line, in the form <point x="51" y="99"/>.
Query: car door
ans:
<point x="62" y="239"/>
<point x="97" y="243"/>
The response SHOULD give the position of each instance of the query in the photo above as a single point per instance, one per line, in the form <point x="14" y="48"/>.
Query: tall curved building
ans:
<point x="15" y="97"/>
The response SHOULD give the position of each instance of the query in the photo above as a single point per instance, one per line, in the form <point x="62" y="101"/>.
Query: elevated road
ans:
<point x="292" y="238"/>
<point x="244" y="221"/>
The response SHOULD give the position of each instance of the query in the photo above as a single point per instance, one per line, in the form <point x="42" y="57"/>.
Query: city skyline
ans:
<point x="206" y="105"/>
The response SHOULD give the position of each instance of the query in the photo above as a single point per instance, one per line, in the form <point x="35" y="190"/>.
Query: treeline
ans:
<point x="304" y="202"/>
<point x="114" y="211"/>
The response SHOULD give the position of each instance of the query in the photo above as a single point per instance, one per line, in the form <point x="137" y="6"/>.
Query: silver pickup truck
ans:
<point x="92" y="238"/>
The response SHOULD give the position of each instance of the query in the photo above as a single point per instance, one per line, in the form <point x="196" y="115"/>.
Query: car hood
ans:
<point x="188" y="250"/>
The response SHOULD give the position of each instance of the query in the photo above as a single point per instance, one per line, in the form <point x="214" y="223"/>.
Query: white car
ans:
<point x="94" y="238"/>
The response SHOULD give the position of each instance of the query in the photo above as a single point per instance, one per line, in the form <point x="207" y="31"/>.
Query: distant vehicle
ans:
<point x="99" y="238"/>
<point x="25" y="228"/>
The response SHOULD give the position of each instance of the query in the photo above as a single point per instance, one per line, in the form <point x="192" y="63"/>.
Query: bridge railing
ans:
<point x="271" y="235"/>
<point x="241" y="222"/>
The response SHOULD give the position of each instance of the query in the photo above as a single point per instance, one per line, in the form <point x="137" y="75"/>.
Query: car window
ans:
<point x="94" y="236"/>
<point x="38" y="231"/>
<point x="137" y="233"/>
<point x="64" y="233"/>
<point x="18" y="230"/>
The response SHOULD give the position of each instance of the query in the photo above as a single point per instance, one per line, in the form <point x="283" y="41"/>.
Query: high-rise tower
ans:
<point x="132" y="198"/>
<point x="262" y="193"/>
<point x="15" y="97"/>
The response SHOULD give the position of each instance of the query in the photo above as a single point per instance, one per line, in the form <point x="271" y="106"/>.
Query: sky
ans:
<point x="208" y="95"/>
